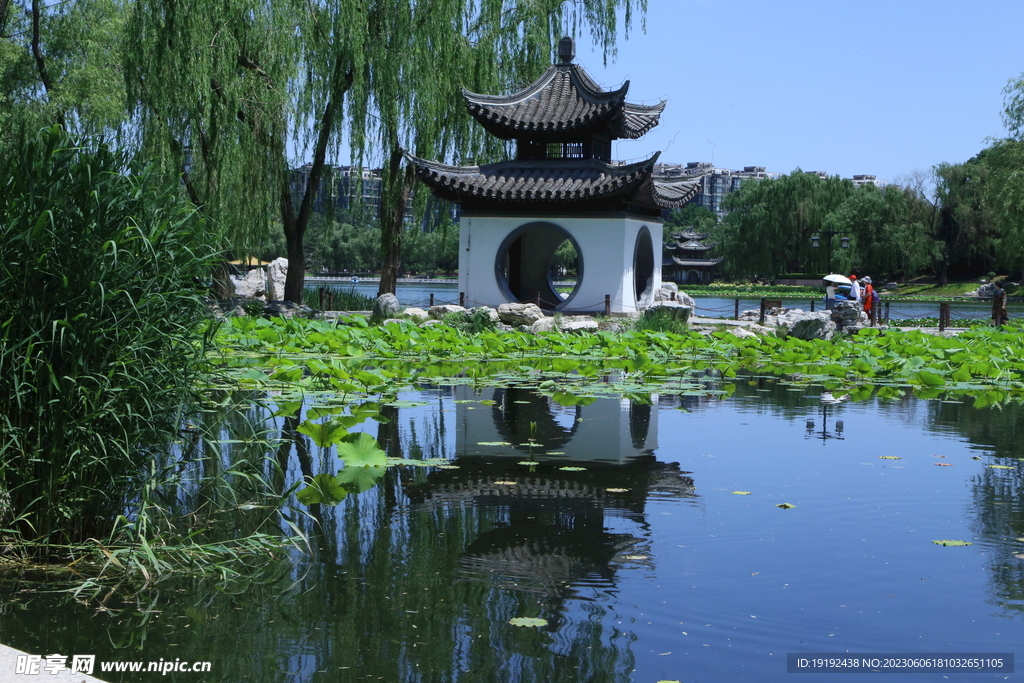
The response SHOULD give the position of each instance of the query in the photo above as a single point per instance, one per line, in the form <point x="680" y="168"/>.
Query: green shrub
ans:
<point x="343" y="299"/>
<point x="660" y="319"/>
<point x="102" y="273"/>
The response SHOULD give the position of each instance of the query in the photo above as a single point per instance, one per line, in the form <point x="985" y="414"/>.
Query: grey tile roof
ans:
<point x="696" y="262"/>
<point x="562" y="181"/>
<point x="563" y="100"/>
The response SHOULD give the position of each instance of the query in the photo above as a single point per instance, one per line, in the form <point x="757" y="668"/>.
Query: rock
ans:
<point x="490" y="312"/>
<point x="543" y="325"/>
<point x="519" y="314"/>
<point x="393" y="321"/>
<point x="670" y="292"/>
<point x="286" y="309"/>
<point x="674" y="308"/>
<point x="523" y="328"/>
<point x="813" y="328"/>
<point x="848" y="313"/>
<point x="891" y="286"/>
<point x="386" y="306"/>
<point x="440" y="311"/>
<point x="252" y="285"/>
<point x="277" y="272"/>
<point x="577" y="323"/>
<point x="417" y="314"/>
<point x="431" y="323"/>
<point x="741" y="332"/>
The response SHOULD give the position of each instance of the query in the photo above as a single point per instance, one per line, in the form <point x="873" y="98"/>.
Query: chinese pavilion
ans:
<point x="688" y="261"/>
<point x="561" y="186"/>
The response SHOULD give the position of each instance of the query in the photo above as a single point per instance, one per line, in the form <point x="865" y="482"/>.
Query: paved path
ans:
<point x="9" y="666"/>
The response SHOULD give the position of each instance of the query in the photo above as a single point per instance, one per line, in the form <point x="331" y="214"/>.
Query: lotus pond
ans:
<point x="634" y="507"/>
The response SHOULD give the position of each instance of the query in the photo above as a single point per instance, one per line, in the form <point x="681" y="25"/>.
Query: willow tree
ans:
<point x="1004" y="191"/>
<point x="769" y="228"/>
<point x="59" y="65"/>
<point x="220" y="89"/>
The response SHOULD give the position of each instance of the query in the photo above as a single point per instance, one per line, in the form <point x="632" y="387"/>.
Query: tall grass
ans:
<point x="337" y="299"/>
<point x="102" y="273"/>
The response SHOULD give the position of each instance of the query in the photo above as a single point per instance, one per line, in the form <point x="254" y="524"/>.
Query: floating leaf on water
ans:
<point x="493" y="443"/>
<point x="555" y="453"/>
<point x="975" y="457"/>
<point x="526" y="402"/>
<point x="447" y="467"/>
<point x="684" y="633"/>
<point x="948" y="542"/>
<point x="943" y="464"/>
<point x="890" y="457"/>
<point x="1001" y="467"/>
<point x="325" y="488"/>
<point x="427" y="462"/>
<point x="527" y="462"/>
<point x="616" y="490"/>
<point x="636" y="557"/>
<point x="1019" y="556"/>
<point x="488" y="402"/>
<point x="572" y="469"/>
<point x="506" y="483"/>
<point x="741" y="493"/>
<point x="528" y="621"/>
<point x="361" y="450"/>
<point x="784" y="506"/>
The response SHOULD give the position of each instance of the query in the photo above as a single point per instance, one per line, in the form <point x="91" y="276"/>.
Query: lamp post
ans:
<point x="844" y="242"/>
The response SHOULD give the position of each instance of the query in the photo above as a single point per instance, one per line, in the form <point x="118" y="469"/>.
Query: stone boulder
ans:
<point x="820" y="327"/>
<point x="417" y="314"/>
<point x="386" y="306"/>
<point x="848" y="314"/>
<point x="577" y="324"/>
<point x="440" y="311"/>
<point x="286" y="309"/>
<point x="252" y="285"/>
<point x="676" y="309"/>
<point x="670" y="292"/>
<point x="545" y="324"/>
<point x="277" y="272"/>
<point x="490" y="312"/>
<point x="519" y="314"/>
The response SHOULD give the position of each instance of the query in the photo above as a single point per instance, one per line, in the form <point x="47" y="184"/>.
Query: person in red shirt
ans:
<point x="868" y="295"/>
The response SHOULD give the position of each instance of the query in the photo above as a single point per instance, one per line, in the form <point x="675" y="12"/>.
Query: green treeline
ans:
<point x="957" y="222"/>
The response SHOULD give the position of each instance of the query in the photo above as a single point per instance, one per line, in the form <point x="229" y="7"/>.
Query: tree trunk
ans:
<point x="295" y="225"/>
<point x="394" y="197"/>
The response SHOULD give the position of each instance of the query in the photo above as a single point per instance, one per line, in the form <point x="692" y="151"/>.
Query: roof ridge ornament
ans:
<point x="566" y="50"/>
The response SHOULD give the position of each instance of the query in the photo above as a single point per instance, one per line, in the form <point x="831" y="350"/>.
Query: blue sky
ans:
<point x="874" y="87"/>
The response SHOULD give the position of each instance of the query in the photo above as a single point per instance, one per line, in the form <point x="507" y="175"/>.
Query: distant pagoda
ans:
<point x="561" y="185"/>
<point x="687" y="261"/>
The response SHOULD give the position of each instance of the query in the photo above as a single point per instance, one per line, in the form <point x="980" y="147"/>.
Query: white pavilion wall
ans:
<point x="606" y="247"/>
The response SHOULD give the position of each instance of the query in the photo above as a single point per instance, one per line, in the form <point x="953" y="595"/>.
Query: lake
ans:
<point x="647" y="536"/>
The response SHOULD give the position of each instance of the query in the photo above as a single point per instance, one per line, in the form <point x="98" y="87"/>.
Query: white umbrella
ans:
<point x="838" y="279"/>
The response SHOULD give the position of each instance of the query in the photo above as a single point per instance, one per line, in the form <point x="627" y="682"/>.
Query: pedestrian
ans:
<point x="868" y="297"/>
<point x="999" y="314"/>
<point x="830" y="295"/>
<point x="854" y="288"/>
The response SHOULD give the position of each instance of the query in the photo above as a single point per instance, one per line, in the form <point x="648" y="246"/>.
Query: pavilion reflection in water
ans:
<point x="549" y="531"/>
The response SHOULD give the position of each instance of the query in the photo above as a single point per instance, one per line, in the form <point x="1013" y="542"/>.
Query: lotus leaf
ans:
<point x="952" y="543"/>
<point x="325" y="488"/>
<point x="528" y="621"/>
<point x="784" y="506"/>
<point x="741" y="493"/>
<point x="357" y="479"/>
<point x="361" y="450"/>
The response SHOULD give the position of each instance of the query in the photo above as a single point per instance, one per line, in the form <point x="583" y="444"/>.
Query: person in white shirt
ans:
<point x="855" y="293"/>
